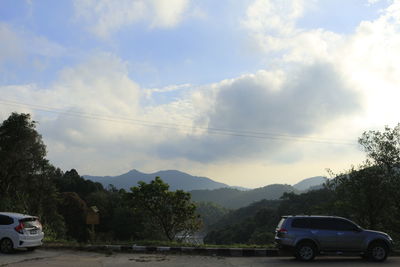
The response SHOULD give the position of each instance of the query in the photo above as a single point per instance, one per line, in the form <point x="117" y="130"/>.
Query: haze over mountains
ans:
<point x="206" y="190"/>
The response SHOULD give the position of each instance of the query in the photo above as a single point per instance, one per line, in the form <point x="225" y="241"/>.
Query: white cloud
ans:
<point x="366" y="59"/>
<point x="369" y="59"/>
<point x="11" y="45"/>
<point x="18" y="47"/>
<point x="105" y="17"/>
<point x="168" y="13"/>
<point x="299" y="101"/>
<point x="276" y="17"/>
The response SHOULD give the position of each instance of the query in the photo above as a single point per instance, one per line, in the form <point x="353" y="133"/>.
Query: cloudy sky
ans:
<point x="248" y="92"/>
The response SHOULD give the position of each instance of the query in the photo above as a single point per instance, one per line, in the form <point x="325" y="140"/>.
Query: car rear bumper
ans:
<point x="30" y="241"/>
<point x="284" y="250"/>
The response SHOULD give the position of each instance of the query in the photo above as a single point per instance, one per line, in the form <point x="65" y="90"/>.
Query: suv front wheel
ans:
<point x="377" y="251"/>
<point x="306" y="251"/>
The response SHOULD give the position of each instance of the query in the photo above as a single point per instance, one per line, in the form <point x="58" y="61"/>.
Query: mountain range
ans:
<point x="310" y="183"/>
<point x="175" y="179"/>
<point x="204" y="189"/>
<point x="233" y="199"/>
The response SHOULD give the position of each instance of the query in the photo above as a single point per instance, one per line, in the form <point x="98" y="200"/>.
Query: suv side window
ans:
<point x="322" y="223"/>
<point x="301" y="223"/>
<point x="5" y="220"/>
<point x="344" y="225"/>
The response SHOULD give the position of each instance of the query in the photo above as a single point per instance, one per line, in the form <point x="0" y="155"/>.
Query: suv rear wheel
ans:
<point x="6" y="245"/>
<point x="377" y="251"/>
<point x="306" y="251"/>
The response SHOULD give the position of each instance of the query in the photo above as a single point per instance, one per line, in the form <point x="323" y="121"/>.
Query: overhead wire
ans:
<point x="175" y="126"/>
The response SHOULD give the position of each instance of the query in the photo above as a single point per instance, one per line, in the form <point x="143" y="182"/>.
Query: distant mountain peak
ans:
<point x="307" y="183"/>
<point x="174" y="178"/>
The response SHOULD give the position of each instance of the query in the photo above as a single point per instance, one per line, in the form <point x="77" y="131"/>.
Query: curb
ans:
<point x="227" y="252"/>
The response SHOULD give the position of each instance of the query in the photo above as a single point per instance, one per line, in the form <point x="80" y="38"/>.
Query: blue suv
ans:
<point x="308" y="236"/>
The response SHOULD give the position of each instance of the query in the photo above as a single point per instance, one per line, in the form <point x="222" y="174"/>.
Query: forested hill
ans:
<point x="175" y="179"/>
<point x="233" y="198"/>
<point x="310" y="183"/>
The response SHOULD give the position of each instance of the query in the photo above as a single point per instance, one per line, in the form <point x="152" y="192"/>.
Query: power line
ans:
<point x="210" y="130"/>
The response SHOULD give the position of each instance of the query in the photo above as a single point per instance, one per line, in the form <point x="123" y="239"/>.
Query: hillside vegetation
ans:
<point x="233" y="199"/>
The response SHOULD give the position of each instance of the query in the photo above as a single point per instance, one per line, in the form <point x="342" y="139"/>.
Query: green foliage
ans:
<point x="313" y="202"/>
<point x="26" y="176"/>
<point x="170" y="213"/>
<point x="363" y="195"/>
<point x="74" y="211"/>
<point x="383" y="147"/>
<point x="233" y="198"/>
<point x="71" y="181"/>
<point x="210" y="213"/>
<point x="249" y="225"/>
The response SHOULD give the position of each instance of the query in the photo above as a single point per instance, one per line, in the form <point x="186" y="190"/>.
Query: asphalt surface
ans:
<point x="61" y="258"/>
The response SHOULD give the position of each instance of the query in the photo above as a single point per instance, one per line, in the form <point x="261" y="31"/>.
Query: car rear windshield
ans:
<point x="31" y="222"/>
<point x="281" y="222"/>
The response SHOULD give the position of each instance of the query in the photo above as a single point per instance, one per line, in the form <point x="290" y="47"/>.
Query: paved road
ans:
<point x="79" y="258"/>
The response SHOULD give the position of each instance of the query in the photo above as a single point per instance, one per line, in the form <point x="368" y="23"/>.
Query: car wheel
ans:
<point x="306" y="251"/>
<point x="377" y="251"/>
<point x="6" y="245"/>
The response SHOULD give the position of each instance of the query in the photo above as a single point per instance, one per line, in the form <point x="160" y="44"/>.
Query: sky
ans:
<point x="248" y="93"/>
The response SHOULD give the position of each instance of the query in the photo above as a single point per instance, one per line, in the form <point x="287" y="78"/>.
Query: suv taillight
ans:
<point x="282" y="231"/>
<point x="19" y="228"/>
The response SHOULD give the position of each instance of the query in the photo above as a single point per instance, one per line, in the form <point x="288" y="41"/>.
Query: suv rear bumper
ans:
<point x="284" y="250"/>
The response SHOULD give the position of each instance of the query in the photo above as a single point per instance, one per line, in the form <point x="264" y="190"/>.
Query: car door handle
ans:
<point x="340" y="233"/>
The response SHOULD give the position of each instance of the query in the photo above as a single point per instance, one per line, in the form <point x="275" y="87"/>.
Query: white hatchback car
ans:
<point x="19" y="231"/>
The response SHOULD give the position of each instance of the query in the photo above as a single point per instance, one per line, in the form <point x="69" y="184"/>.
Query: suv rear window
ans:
<point x="281" y="222"/>
<point x="301" y="223"/>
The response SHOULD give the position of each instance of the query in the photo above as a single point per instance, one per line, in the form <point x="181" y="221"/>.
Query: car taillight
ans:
<point x="282" y="231"/>
<point x="19" y="228"/>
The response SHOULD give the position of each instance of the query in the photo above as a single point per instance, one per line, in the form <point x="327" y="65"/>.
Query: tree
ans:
<point x="71" y="181"/>
<point x="364" y="195"/>
<point x="383" y="147"/>
<point x="210" y="213"/>
<point x="169" y="212"/>
<point x="74" y="211"/>
<point x="26" y="176"/>
<point x="22" y="155"/>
